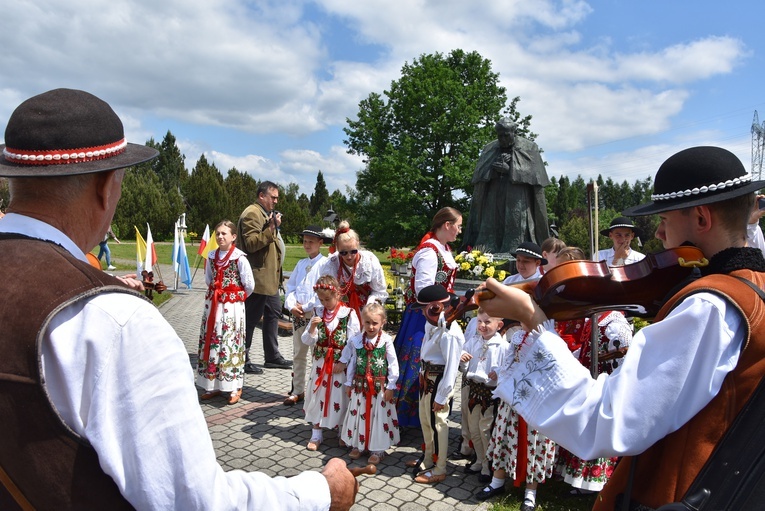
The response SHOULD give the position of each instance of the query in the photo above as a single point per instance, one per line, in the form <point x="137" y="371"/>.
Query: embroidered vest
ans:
<point x="51" y="466"/>
<point x="444" y="276"/>
<point x="666" y="469"/>
<point x="378" y="368"/>
<point x="231" y="284"/>
<point x="336" y="340"/>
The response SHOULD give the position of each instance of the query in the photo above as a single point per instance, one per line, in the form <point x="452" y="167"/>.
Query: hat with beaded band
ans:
<point x="529" y="249"/>
<point x="622" y="221"/>
<point x="695" y="177"/>
<point x="66" y="132"/>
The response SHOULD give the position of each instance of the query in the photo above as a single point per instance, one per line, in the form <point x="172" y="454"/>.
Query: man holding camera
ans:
<point x="258" y="235"/>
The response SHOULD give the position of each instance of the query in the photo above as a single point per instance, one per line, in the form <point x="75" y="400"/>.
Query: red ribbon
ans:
<point x="217" y="287"/>
<point x="327" y="369"/>
<point x="523" y="459"/>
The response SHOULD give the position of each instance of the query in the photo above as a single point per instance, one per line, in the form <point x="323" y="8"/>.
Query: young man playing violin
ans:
<point x="686" y="376"/>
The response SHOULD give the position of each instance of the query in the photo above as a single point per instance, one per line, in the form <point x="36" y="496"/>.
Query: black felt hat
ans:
<point x="530" y="249"/>
<point x="697" y="176"/>
<point x="622" y="221"/>
<point x="431" y="294"/>
<point x="66" y="132"/>
<point x="315" y="231"/>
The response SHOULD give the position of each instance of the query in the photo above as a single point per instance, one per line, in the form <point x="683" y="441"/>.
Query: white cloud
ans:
<point x="260" y="66"/>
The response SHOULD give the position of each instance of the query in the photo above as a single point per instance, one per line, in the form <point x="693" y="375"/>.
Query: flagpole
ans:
<point x="197" y="259"/>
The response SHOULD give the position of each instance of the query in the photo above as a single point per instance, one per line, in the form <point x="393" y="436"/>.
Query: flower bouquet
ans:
<point x="477" y="265"/>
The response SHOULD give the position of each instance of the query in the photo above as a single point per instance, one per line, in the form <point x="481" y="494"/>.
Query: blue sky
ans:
<point x="614" y="87"/>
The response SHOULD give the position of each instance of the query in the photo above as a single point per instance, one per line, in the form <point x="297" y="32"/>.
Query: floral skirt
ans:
<point x="223" y="369"/>
<point x="503" y="447"/>
<point x="316" y="399"/>
<point x="407" y="344"/>
<point x="383" y="428"/>
<point x="585" y="474"/>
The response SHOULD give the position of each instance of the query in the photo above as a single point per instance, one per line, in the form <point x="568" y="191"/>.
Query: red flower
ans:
<point x="596" y="471"/>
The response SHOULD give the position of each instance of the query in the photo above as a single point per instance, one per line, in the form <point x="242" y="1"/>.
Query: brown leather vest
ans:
<point x="50" y="466"/>
<point x="666" y="469"/>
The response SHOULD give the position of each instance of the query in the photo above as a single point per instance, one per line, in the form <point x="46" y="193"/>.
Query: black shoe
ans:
<point x="528" y="505"/>
<point x="469" y="470"/>
<point x="251" y="368"/>
<point x="456" y="456"/>
<point x="484" y="478"/>
<point x="279" y="363"/>
<point x="491" y="492"/>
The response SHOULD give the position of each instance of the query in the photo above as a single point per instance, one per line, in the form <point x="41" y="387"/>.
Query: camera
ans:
<point x="761" y="203"/>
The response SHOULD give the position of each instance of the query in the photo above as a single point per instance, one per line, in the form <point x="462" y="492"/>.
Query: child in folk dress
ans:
<point x="515" y="449"/>
<point x="482" y="356"/>
<point x="220" y="366"/>
<point x="371" y="423"/>
<point x="328" y="332"/>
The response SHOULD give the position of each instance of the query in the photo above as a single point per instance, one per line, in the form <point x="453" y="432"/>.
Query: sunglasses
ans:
<point x="346" y="252"/>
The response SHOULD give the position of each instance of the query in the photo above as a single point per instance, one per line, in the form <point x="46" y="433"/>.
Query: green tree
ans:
<point x="242" y="190"/>
<point x="320" y="197"/>
<point x="170" y="165"/>
<point x="294" y="208"/>
<point x="206" y="196"/>
<point x="143" y="201"/>
<point x="419" y="141"/>
<point x="575" y="232"/>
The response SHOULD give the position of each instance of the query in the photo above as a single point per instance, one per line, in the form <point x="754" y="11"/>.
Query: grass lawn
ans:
<point x="551" y="496"/>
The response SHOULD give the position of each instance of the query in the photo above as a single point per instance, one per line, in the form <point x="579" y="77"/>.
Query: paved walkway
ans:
<point x="260" y="433"/>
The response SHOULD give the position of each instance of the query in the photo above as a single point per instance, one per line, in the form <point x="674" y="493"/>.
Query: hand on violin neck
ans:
<point x="512" y="303"/>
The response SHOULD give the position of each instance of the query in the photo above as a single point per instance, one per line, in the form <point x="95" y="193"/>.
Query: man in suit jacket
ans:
<point x="258" y="235"/>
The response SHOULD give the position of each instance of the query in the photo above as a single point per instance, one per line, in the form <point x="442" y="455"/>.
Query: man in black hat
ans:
<point x="298" y="299"/>
<point x="91" y="419"/>
<point x="686" y="376"/>
<point x="621" y="232"/>
<point x="439" y="363"/>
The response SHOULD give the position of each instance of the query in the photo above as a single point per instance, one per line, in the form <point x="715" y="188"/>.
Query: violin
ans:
<point x="577" y="289"/>
<point x="151" y="286"/>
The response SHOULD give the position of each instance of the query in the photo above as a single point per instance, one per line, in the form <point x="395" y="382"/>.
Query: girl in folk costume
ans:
<point x="614" y="334"/>
<point x="371" y="423"/>
<point x="359" y="274"/>
<point x="433" y="263"/>
<point x="328" y="332"/>
<point x="515" y="449"/>
<point x="221" y="343"/>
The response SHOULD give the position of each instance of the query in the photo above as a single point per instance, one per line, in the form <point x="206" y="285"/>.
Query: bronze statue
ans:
<point x="508" y="205"/>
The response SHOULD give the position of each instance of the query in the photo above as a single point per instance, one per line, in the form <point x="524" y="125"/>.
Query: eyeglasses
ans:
<point x="346" y="252"/>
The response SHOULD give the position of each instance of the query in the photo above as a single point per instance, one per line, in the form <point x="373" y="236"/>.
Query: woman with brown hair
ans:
<point x="433" y="263"/>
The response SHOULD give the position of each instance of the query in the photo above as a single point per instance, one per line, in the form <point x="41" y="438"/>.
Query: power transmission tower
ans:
<point x="758" y="146"/>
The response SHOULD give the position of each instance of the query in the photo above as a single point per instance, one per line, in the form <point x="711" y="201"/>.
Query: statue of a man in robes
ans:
<point x="508" y="205"/>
